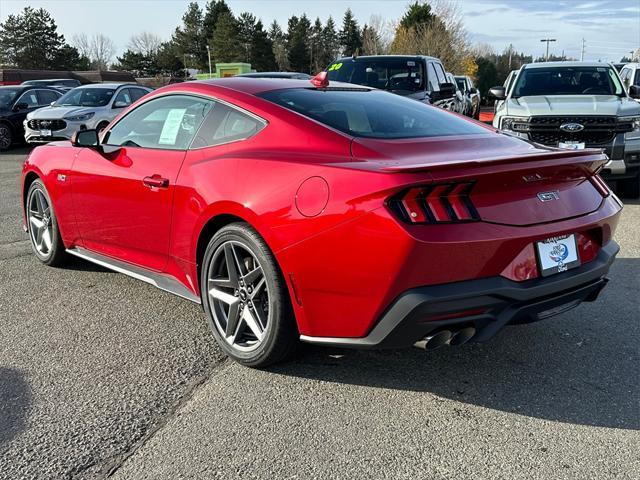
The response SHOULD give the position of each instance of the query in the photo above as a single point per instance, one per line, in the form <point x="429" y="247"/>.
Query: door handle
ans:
<point x="156" y="181"/>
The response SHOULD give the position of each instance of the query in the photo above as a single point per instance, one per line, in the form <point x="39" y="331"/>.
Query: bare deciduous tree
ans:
<point x="99" y="49"/>
<point x="146" y="43"/>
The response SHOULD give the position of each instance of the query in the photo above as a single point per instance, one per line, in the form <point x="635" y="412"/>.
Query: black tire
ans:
<point x="101" y="126"/>
<point x="55" y="255"/>
<point x="630" y="188"/>
<point x="280" y="336"/>
<point x="6" y="137"/>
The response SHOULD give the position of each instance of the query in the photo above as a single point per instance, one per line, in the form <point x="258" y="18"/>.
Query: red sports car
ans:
<point x="329" y="213"/>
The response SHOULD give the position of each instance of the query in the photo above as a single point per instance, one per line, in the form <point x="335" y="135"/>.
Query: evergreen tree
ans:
<point x="417" y="14"/>
<point x="246" y="32"/>
<point x="169" y="60"/>
<point x="189" y="40"/>
<point x="316" y="47"/>
<point x="138" y="63"/>
<point x="262" y="57"/>
<point x="330" y="43"/>
<point x="297" y="43"/>
<point x="350" y="37"/>
<point x="31" y="40"/>
<point x="213" y="10"/>
<point x="224" y="44"/>
<point x="279" y="42"/>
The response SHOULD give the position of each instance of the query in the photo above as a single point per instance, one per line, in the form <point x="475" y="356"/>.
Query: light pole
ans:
<point x="209" y="55"/>
<point x="548" y="40"/>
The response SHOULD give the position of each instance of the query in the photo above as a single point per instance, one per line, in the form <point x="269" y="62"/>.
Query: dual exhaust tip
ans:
<point x="443" y="338"/>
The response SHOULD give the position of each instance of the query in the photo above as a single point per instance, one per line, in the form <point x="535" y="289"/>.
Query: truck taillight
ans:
<point x="443" y="203"/>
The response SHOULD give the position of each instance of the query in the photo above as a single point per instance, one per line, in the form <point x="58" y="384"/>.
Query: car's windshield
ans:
<point x="462" y="84"/>
<point x="568" y="81"/>
<point x="86" y="97"/>
<point x="395" y="74"/>
<point x="7" y="95"/>
<point x="372" y="113"/>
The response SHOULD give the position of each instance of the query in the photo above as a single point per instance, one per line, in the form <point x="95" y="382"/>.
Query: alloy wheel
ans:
<point x="238" y="296"/>
<point x="40" y="222"/>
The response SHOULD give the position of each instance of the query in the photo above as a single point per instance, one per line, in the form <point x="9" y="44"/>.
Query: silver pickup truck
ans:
<point x="576" y="105"/>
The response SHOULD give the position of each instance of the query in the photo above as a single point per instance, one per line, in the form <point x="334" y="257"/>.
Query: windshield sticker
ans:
<point x="411" y="64"/>
<point x="600" y="69"/>
<point x="171" y="126"/>
<point x="335" y="66"/>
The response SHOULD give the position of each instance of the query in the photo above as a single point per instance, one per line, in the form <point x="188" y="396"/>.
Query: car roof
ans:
<point x="257" y="85"/>
<point x="390" y="57"/>
<point x="111" y="85"/>
<point x="272" y="74"/>
<point x="565" y="64"/>
<point x="51" y="80"/>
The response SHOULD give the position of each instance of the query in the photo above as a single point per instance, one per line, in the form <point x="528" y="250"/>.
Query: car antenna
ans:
<point x="320" y="80"/>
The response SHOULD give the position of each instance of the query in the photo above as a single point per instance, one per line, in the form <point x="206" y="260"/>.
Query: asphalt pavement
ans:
<point x="104" y="376"/>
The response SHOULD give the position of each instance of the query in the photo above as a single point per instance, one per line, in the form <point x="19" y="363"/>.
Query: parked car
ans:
<point x="508" y="83"/>
<point x="415" y="76"/>
<point x="576" y="105"/>
<point x="472" y="95"/>
<point x="457" y="103"/>
<point x="84" y="108"/>
<point x="329" y="213"/>
<point x="15" y="103"/>
<point x="290" y="75"/>
<point x="63" y="84"/>
<point x="630" y="76"/>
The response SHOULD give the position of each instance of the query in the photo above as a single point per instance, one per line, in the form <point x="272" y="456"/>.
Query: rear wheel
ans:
<point x="6" y="137"/>
<point x="42" y="226"/>
<point x="246" y="299"/>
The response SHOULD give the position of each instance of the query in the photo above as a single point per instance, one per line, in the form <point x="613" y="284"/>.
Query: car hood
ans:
<point x="54" y="113"/>
<point x="571" y="105"/>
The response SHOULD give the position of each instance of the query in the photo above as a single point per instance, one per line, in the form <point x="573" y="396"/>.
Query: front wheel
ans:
<point x="246" y="299"/>
<point x="42" y="226"/>
<point x="6" y="137"/>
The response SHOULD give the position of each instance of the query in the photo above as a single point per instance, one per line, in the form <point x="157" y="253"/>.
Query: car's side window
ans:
<point x="137" y="93"/>
<point x="30" y="98"/>
<point x="226" y="124"/>
<point x="123" y="99"/>
<point x="433" y="78"/>
<point x="440" y="72"/>
<point x="169" y="122"/>
<point x="47" y="96"/>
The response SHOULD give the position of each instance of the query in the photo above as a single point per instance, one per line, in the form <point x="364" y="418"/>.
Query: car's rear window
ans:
<point x="372" y="113"/>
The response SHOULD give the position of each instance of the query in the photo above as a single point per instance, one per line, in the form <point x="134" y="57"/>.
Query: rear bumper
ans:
<point x="501" y="301"/>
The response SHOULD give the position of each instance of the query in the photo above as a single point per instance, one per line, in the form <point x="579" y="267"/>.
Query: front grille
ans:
<point x="598" y="130"/>
<point x="47" y="124"/>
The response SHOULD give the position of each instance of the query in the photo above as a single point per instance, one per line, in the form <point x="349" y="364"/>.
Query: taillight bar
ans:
<point x="442" y="203"/>
<point x="598" y="182"/>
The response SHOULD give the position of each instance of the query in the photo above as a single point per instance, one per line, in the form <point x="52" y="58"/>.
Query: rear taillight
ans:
<point x="602" y="187"/>
<point x="444" y="203"/>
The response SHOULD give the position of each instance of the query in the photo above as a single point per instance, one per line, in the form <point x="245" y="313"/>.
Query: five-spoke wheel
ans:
<point x="245" y="297"/>
<point x="42" y="225"/>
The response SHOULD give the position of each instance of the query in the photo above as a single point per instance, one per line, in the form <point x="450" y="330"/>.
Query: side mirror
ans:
<point x="498" y="92"/>
<point x="473" y="90"/>
<point x="634" y="91"/>
<point x="20" y="106"/>
<point x="120" y="104"/>
<point x="85" y="138"/>
<point x="447" y="90"/>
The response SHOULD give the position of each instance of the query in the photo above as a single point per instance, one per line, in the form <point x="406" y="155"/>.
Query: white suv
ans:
<point x="83" y="108"/>
<point x="576" y="105"/>
<point x="630" y="76"/>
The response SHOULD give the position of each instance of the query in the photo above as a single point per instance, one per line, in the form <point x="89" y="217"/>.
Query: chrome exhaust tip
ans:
<point x="462" y="336"/>
<point x="434" y="341"/>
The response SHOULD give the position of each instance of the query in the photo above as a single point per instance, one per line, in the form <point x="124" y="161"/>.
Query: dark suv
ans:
<point x="15" y="103"/>
<point x="415" y="76"/>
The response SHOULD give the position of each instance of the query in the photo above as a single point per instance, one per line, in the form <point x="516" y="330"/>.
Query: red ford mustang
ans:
<point x="332" y="214"/>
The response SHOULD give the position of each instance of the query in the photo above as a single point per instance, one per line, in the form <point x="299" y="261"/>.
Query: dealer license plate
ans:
<point x="571" y="145"/>
<point x="557" y="254"/>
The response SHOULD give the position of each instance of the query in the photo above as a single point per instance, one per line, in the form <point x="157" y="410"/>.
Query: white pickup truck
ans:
<point x="576" y="105"/>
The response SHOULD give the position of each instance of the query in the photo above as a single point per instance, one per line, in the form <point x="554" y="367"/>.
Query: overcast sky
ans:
<point x="611" y="28"/>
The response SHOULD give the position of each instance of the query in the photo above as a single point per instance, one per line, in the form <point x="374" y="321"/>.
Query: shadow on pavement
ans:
<point x="15" y="403"/>
<point x="581" y="367"/>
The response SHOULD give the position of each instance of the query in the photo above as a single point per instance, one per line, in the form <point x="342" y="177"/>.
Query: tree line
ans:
<point x="31" y="40"/>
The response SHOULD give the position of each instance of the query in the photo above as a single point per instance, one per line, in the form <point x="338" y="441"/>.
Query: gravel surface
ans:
<point x="102" y="375"/>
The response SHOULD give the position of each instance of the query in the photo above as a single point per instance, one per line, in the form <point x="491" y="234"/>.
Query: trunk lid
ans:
<point x="514" y="182"/>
